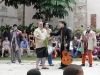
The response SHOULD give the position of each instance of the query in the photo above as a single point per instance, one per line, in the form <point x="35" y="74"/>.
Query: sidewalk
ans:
<point x="7" y="68"/>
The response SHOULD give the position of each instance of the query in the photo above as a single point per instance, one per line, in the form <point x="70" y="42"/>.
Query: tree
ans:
<point x="46" y="9"/>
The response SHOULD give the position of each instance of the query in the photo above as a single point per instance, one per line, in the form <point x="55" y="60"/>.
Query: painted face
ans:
<point x="47" y="25"/>
<point x="60" y="25"/>
<point x="15" y="28"/>
<point x="88" y="28"/>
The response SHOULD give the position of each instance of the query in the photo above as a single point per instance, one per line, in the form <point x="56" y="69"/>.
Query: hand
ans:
<point x="66" y="45"/>
<point x="65" y="52"/>
<point x="50" y="38"/>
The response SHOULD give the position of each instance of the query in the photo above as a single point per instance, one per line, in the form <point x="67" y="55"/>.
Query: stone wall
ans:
<point x="80" y="14"/>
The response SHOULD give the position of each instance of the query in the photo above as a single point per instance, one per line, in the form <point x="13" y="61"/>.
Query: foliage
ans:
<point x="54" y="29"/>
<point x="2" y="28"/>
<point x="46" y="9"/>
<point x="28" y="28"/>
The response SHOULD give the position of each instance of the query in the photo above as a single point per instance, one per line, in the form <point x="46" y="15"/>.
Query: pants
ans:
<point x="49" y="60"/>
<point x="15" y="53"/>
<point x="74" y="53"/>
<point x="22" y="50"/>
<point x="89" y="56"/>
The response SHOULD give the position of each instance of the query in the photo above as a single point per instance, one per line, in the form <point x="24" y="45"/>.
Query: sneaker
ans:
<point x="82" y="64"/>
<point x="2" y="56"/>
<point x="90" y="65"/>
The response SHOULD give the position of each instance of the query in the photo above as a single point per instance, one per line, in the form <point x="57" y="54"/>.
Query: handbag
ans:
<point x="80" y="49"/>
<point x="50" y="50"/>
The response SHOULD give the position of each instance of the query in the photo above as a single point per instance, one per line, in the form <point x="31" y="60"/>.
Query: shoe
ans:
<point x="2" y="56"/>
<point x="13" y="61"/>
<point x="40" y="65"/>
<point x="90" y="65"/>
<point x="51" y="64"/>
<point x="61" y="67"/>
<point x="82" y="64"/>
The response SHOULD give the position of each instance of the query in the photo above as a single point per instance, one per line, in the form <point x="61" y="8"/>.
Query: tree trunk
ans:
<point x="1" y="1"/>
<point x="23" y="15"/>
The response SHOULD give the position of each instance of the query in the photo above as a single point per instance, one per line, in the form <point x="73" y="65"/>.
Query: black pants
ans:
<point x="62" y="49"/>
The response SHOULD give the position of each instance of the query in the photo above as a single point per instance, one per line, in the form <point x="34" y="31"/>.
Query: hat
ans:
<point x="14" y="25"/>
<point x="62" y="20"/>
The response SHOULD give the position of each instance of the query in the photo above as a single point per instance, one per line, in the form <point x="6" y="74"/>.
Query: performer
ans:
<point x="40" y="35"/>
<point x="65" y="34"/>
<point x="16" y="38"/>
<point x="89" y="43"/>
<point x="46" y="26"/>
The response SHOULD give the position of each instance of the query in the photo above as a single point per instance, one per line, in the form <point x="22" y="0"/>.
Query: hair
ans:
<point x="33" y="72"/>
<point x="44" y="24"/>
<point x="72" y="69"/>
<point x="63" y="22"/>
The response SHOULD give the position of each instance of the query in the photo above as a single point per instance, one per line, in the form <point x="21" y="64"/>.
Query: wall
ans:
<point x="8" y="15"/>
<point x="93" y="7"/>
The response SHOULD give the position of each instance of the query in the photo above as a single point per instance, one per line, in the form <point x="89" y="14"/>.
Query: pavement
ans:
<point x="7" y="68"/>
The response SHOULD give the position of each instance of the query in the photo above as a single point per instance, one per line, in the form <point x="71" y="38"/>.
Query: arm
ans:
<point x="36" y="35"/>
<point x="94" y="39"/>
<point x="55" y="34"/>
<point x="69" y="37"/>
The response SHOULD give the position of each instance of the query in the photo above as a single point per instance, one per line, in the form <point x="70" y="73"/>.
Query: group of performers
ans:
<point x="88" y="43"/>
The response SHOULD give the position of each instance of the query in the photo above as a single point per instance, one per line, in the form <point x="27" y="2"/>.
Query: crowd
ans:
<point x="28" y="43"/>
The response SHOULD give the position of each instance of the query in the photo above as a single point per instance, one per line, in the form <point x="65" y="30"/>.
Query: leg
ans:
<point x="50" y="59"/>
<point x="45" y="55"/>
<point x="18" y="55"/>
<point x="39" y="52"/>
<point x="13" y="54"/>
<point x="37" y="63"/>
<point x="28" y="52"/>
<point x="90" y="58"/>
<point x="75" y="54"/>
<point x="21" y="51"/>
<point x="40" y="61"/>
<point x="62" y="65"/>
<point x="84" y="56"/>
<point x="2" y="52"/>
<point x="9" y="51"/>
<point x="72" y="52"/>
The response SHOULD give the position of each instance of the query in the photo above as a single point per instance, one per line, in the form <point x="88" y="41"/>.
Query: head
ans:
<point x="40" y="25"/>
<point x="33" y="72"/>
<point x="46" y="25"/>
<point x="6" y="29"/>
<point x="24" y="31"/>
<point x="73" y="69"/>
<point x="77" y="31"/>
<point x="15" y="26"/>
<point x="88" y="28"/>
<point x="62" y="24"/>
<point x="53" y="39"/>
<point x="31" y="33"/>
<point x="6" y="38"/>
<point x="24" y="40"/>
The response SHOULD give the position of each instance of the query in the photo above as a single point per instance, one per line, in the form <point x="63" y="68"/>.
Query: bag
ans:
<point x="80" y="49"/>
<point x="50" y="50"/>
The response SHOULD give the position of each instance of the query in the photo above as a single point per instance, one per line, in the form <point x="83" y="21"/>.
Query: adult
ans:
<point x="89" y="43"/>
<point x="6" y="46"/>
<point x="65" y="38"/>
<point x="46" y="26"/>
<point x="40" y="35"/>
<point x="16" y="38"/>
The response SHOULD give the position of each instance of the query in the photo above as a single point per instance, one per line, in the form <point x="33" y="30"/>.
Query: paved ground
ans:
<point x="6" y="68"/>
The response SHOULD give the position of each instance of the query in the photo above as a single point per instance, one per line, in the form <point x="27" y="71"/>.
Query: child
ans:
<point x="33" y="72"/>
<point x="73" y="69"/>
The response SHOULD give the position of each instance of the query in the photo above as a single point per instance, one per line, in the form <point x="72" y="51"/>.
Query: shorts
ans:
<point x="41" y="52"/>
